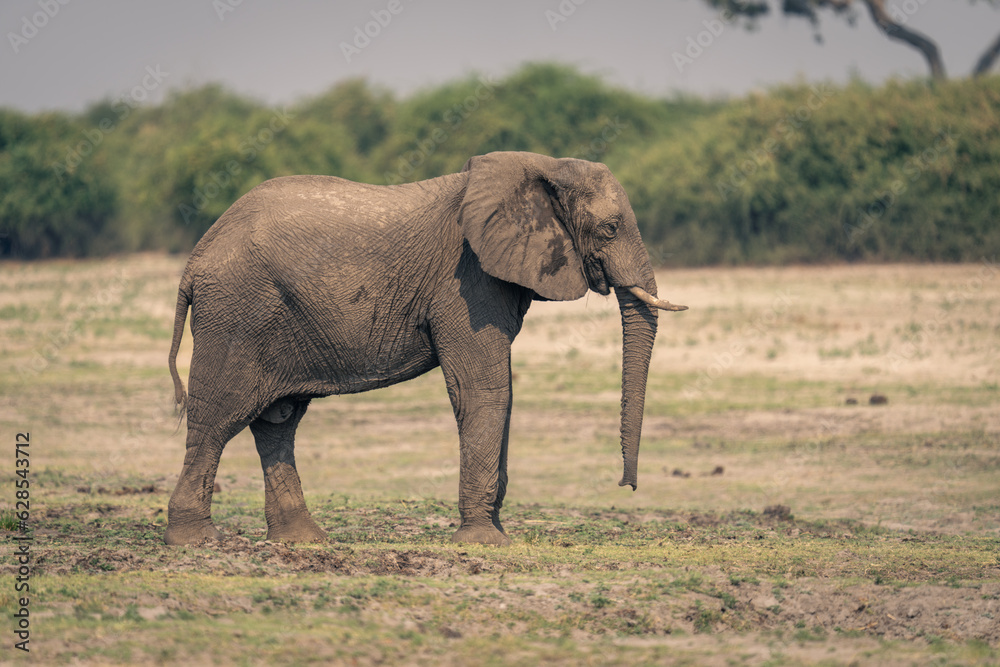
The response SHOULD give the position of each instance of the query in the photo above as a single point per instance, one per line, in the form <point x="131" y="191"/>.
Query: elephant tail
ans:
<point x="184" y="294"/>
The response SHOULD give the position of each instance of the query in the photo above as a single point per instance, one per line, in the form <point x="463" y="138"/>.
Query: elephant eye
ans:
<point x="608" y="229"/>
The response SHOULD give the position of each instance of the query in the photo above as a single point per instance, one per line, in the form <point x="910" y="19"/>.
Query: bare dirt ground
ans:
<point x="917" y="605"/>
<point x="781" y="515"/>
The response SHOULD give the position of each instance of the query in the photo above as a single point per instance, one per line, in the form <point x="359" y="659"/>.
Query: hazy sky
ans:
<point x="279" y="52"/>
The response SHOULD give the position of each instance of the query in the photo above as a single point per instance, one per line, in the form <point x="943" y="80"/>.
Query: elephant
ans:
<point x="310" y="286"/>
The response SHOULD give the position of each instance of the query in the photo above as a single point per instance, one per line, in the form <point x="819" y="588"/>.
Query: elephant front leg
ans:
<point x="481" y="397"/>
<point x="483" y="479"/>
<point x="288" y="519"/>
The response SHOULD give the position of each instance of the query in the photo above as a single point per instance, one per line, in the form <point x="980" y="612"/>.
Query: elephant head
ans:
<point x="560" y="227"/>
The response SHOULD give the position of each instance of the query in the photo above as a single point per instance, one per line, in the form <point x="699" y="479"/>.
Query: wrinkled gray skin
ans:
<point x="312" y="285"/>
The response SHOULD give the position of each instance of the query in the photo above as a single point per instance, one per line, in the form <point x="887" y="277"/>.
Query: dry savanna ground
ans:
<point x="781" y="517"/>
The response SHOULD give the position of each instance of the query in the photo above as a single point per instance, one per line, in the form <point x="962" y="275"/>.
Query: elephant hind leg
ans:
<point x="288" y="519"/>
<point x="224" y="385"/>
<point x="189" y="513"/>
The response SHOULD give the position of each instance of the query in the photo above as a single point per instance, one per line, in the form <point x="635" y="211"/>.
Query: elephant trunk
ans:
<point x="638" y="332"/>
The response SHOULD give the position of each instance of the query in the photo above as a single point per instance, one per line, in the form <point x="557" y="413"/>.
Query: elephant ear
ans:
<point x="512" y="218"/>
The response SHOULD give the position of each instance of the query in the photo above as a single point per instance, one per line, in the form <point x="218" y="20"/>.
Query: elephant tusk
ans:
<point x="651" y="300"/>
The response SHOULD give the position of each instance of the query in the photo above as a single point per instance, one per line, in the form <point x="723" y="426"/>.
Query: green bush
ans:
<point x="49" y="203"/>
<point x="817" y="174"/>
<point x="905" y="171"/>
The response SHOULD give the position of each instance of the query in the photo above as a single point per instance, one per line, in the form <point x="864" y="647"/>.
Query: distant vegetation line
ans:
<point x="905" y="171"/>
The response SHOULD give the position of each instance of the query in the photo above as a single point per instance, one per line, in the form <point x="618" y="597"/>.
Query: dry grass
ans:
<point x="754" y="379"/>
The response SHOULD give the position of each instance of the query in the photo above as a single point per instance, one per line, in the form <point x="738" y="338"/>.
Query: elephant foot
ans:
<point x="191" y="533"/>
<point x="301" y="530"/>
<point x="482" y="535"/>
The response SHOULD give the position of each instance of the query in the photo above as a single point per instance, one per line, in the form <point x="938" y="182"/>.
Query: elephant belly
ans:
<point x="359" y="351"/>
<point x="376" y="373"/>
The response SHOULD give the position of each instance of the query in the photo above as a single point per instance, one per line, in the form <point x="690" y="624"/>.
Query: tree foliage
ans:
<point x="892" y="20"/>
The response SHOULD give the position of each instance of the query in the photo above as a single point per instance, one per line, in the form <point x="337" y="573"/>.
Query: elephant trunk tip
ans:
<point x="628" y="482"/>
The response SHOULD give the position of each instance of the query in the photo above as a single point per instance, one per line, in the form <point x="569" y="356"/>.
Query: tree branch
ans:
<point x="986" y="60"/>
<point x="900" y="32"/>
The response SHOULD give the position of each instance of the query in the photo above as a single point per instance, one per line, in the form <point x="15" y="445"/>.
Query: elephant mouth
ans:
<point x="597" y="279"/>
